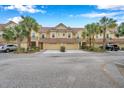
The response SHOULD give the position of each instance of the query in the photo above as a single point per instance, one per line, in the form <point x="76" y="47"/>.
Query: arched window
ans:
<point x="43" y="36"/>
<point x="77" y="37"/>
<point x="53" y="36"/>
<point x="69" y="35"/>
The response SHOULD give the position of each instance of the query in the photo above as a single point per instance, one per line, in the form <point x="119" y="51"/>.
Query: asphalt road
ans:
<point x="61" y="70"/>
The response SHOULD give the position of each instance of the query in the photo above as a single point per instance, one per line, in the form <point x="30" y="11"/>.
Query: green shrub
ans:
<point x="22" y="50"/>
<point x="122" y="48"/>
<point x="34" y="49"/>
<point x="62" y="49"/>
<point x="95" y="49"/>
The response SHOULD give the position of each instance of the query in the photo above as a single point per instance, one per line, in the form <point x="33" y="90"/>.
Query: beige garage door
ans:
<point x="57" y="46"/>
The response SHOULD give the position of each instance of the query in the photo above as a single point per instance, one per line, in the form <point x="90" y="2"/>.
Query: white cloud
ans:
<point x="15" y="19"/>
<point x="111" y="7"/>
<point x="97" y="15"/>
<point x="24" y="8"/>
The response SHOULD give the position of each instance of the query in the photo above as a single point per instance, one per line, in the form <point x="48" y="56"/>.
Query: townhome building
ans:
<point x="61" y="35"/>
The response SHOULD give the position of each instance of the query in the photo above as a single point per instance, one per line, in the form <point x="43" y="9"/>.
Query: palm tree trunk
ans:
<point x="29" y="41"/>
<point x="93" y="40"/>
<point x="19" y="45"/>
<point x="90" y="42"/>
<point x="104" y="38"/>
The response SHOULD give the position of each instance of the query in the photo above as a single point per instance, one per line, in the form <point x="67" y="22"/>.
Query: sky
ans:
<point x="70" y="15"/>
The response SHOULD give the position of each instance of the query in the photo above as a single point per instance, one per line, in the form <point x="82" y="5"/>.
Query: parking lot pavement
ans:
<point x="84" y="69"/>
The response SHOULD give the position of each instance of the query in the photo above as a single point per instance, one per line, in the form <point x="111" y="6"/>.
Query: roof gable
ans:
<point x="61" y="26"/>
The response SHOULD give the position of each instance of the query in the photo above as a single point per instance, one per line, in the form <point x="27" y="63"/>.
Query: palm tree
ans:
<point x="19" y="35"/>
<point x="95" y="30"/>
<point x="29" y="24"/>
<point x="15" y="33"/>
<point x="106" y="23"/>
<point x="121" y="30"/>
<point x="84" y="34"/>
<point x="89" y="33"/>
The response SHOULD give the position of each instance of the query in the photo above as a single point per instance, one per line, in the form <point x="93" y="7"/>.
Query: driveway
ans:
<point x="67" y="51"/>
<point x="78" y="69"/>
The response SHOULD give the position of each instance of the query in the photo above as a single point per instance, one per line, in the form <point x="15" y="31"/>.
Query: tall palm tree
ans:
<point x="89" y="33"/>
<point x="29" y="24"/>
<point x="95" y="31"/>
<point x="15" y="33"/>
<point x="106" y="23"/>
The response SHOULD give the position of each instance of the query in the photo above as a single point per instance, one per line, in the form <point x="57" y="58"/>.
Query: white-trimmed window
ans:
<point x="33" y="35"/>
<point x="42" y="36"/>
<point x="69" y="35"/>
<point x="53" y="35"/>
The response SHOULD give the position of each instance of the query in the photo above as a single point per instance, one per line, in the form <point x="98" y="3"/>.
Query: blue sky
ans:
<point x="70" y="15"/>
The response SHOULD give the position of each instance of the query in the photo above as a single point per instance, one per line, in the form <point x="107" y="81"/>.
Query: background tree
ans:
<point x="8" y="34"/>
<point x="105" y="24"/>
<point x="89" y="33"/>
<point x="15" y="33"/>
<point x="29" y="24"/>
<point x="121" y="30"/>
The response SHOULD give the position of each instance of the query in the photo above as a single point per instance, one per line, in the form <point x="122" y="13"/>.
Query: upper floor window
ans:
<point x="77" y="37"/>
<point x="33" y="35"/>
<point x="107" y="36"/>
<point x="43" y="36"/>
<point x="69" y="35"/>
<point x="53" y="36"/>
<point x="63" y="34"/>
<point x="96" y="36"/>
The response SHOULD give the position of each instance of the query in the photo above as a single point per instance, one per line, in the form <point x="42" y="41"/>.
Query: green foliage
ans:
<point x="121" y="29"/>
<point x="105" y="24"/>
<point x="62" y="48"/>
<point x="29" y="24"/>
<point x="16" y="33"/>
<point x="122" y="48"/>
<point x="95" y="49"/>
<point x="34" y="49"/>
<point x="91" y="30"/>
<point x="8" y="34"/>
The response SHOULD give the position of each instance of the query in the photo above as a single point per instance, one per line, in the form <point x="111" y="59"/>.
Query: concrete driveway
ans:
<point x="78" y="69"/>
<point x="67" y="51"/>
